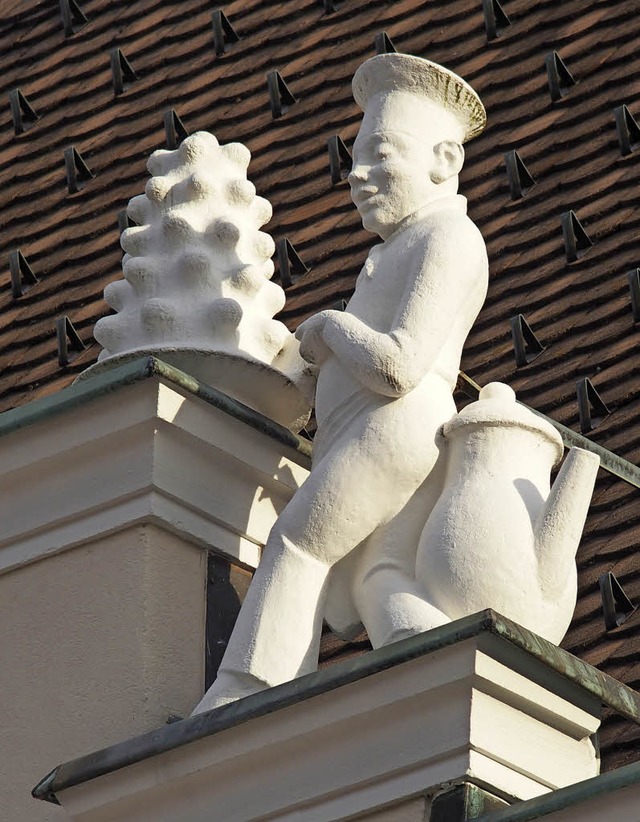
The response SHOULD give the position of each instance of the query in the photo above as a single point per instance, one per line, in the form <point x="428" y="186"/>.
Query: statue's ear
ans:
<point x="448" y="160"/>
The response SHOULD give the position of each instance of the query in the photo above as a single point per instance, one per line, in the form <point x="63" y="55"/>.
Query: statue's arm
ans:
<point x="448" y="276"/>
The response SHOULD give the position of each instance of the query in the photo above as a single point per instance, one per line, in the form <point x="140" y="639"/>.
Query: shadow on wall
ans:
<point x="249" y="486"/>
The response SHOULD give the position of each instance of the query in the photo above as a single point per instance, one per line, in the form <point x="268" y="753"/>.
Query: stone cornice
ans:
<point x="143" y="443"/>
<point x="496" y="682"/>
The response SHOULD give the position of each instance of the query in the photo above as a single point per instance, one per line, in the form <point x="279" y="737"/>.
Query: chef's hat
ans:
<point x="381" y="78"/>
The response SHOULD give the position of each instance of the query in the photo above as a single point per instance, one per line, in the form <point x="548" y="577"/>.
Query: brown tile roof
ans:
<point x="580" y="311"/>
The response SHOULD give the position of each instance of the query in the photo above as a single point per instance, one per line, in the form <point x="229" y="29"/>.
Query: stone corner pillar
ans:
<point x="472" y="716"/>
<point x="118" y="499"/>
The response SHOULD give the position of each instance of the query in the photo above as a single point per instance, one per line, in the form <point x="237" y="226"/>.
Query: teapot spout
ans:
<point x="560" y="523"/>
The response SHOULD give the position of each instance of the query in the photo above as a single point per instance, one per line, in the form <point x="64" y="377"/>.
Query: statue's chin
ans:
<point x="371" y="221"/>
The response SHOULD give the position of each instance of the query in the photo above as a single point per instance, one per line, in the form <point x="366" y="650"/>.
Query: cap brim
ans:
<point x="386" y="73"/>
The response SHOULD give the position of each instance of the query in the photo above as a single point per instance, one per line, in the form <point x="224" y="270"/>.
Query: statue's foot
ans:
<point x="229" y="687"/>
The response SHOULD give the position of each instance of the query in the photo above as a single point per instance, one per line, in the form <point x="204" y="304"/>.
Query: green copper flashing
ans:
<point x="132" y="372"/>
<point x="619" y="467"/>
<point x="463" y="803"/>
<point x="603" y="687"/>
<point x="563" y="798"/>
<point x="496" y="628"/>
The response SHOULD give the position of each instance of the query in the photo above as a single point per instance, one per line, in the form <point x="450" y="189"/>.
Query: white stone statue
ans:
<point x="412" y="515"/>
<point x="197" y="287"/>
<point x="387" y="369"/>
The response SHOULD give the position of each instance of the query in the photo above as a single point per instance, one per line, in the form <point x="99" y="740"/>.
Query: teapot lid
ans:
<point x="496" y="406"/>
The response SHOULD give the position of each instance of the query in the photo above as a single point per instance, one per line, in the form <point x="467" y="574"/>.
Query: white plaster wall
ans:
<point x="97" y="644"/>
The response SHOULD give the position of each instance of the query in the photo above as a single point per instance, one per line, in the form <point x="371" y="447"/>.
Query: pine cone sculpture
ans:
<point x="197" y="290"/>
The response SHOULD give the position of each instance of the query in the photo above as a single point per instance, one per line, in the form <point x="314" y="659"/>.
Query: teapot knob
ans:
<point x="497" y="391"/>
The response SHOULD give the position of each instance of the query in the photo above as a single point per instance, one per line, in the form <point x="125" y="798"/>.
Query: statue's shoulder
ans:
<point x="452" y="228"/>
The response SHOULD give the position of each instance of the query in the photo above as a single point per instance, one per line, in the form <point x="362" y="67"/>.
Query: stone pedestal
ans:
<point x="110" y="492"/>
<point x="142" y="443"/>
<point x="476" y="701"/>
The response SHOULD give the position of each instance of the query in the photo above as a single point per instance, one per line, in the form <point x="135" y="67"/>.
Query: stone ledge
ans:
<point x="142" y="443"/>
<point x="587" y="801"/>
<point x="365" y="733"/>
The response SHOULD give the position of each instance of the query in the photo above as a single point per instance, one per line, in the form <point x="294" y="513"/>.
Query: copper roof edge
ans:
<point x="561" y="798"/>
<point x="505" y="634"/>
<point x="135" y="371"/>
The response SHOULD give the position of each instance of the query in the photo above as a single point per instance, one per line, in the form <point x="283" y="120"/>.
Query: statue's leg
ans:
<point x="277" y="633"/>
<point x="347" y="495"/>
<point x="391" y="602"/>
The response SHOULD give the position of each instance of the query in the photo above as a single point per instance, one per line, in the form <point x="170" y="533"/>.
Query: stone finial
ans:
<point x="197" y="288"/>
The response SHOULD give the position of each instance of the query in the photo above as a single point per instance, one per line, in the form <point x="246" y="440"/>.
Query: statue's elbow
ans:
<point x="400" y="381"/>
<point x="394" y="374"/>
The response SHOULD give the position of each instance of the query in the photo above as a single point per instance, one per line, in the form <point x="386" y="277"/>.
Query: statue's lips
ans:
<point x="363" y="196"/>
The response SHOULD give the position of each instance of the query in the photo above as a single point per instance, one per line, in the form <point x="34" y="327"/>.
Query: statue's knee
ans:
<point x="300" y="543"/>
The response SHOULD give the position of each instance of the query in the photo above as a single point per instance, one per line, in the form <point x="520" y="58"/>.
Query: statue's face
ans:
<point x="390" y="178"/>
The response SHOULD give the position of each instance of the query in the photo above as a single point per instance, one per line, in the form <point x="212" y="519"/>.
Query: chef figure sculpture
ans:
<point x="387" y="368"/>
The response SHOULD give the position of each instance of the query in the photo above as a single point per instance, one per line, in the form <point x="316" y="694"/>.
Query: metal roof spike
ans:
<point x="280" y="95"/>
<point x="122" y="71"/>
<point x="330" y="6"/>
<point x="526" y="345"/>
<point x="616" y="605"/>
<point x="223" y="32"/>
<point x="591" y="407"/>
<point x="384" y="44"/>
<point x="576" y="240"/>
<point x="76" y="168"/>
<point x="67" y="337"/>
<point x="628" y="130"/>
<point x="558" y="75"/>
<point x="290" y="266"/>
<point x="495" y="18"/>
<point x="73" y="18"/>
<point x="520" y="179"/>
<point x="339" y="159"/>
<point x="22" y="112"/>
<point x="22" y="276"/>
<point x="633" y="278"/>
<point x="174" y="129"/>
<point x="310" y="429"/>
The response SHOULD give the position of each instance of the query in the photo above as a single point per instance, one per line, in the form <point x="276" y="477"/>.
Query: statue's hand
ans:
<point x="313" y="348"/>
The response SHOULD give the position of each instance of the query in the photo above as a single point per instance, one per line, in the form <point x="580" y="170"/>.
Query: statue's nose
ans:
<point x="358" y="174"/>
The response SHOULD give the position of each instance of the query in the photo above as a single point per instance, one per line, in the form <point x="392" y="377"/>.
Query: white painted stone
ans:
<point x="143" y="453"/>
<point x="197" y="283"/>
<point x="94" y="649"/>
<point x="499" y="536"/>
<point x="107" y="512"/>
<point x="457" y="713"/>
<point x="391" y="454"/>
<point x="387" y="368"/>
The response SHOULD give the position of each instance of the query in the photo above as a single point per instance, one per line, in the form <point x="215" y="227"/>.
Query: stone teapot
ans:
<point x="500" y="536"/>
